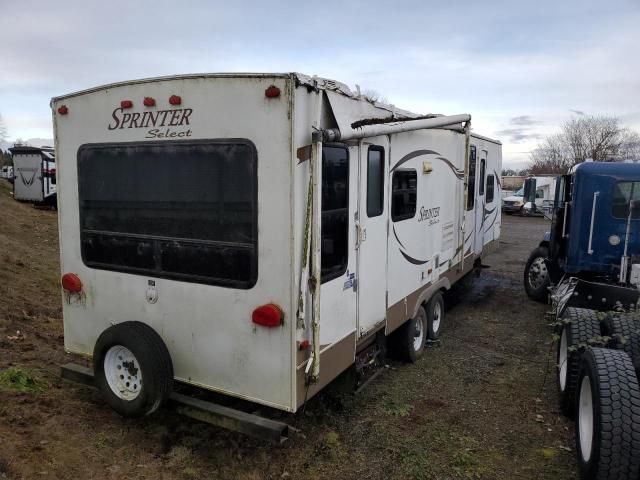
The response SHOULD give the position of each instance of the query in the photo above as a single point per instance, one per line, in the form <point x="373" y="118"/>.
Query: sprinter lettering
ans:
<point x="160" y="118"/>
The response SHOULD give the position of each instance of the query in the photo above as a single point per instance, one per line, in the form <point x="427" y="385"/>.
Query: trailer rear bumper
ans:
<point x="204" y="411"/>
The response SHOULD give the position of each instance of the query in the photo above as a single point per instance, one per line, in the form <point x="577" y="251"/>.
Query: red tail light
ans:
<point x="71" y="283"/>
<point x="126" y="104"/>
<point x="272" y="92"/>
<point x="63" y="110"/>
<point x="175" y="100"/>
<point x="268" y="315"/>
<point x="149" y="102"/>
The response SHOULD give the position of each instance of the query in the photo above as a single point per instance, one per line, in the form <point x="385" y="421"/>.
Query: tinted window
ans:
<point x="404" y="194"/>
<point x="623" y="194"/>
<point x="181" y="210"/>
<point x="335" y="212"/>
<point x="375" y="181"/>
<point x="490" y="187"/>
<point x="482" y="173"/>
<point x="471" y="179"/>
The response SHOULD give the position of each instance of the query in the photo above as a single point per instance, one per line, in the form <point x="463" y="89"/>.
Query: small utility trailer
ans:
<point x="258" y="234"/>
<point x="34" y="172"/>
<point x="589" y="267"/>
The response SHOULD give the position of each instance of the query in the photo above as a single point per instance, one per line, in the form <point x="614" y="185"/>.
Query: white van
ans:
<point x="258" y="234"/>
<point x="545" y="189"/>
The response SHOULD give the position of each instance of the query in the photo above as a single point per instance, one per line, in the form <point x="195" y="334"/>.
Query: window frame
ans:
<point x="338" y="272"/>
<point x="636" y="213"/>
<point x="380" y="211"/>
<point x="471" y="182"/>
<point x="493" y="188"/>
<point x="405" y="216"/>
<point x="483" y="175"/>
<point x="157" y="272"/>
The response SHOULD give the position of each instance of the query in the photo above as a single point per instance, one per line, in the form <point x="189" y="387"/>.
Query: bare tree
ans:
<point x="598" y="137"/>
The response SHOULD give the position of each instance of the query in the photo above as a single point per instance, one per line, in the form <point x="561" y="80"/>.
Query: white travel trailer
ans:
<point x="7" y="172"/>
<point x="34" y="174"/>
<point x="258" y="234"/>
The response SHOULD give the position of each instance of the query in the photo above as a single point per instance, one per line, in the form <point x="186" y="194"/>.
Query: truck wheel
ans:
<point x="607" y="426"/>
<point x="435" y="316"/>
<point x="580" y="325"/>
<point x="536" y="275"/>
<point x="624" y="330"/>
<point x="132" y="369"/>
<point x="408" y="341"/>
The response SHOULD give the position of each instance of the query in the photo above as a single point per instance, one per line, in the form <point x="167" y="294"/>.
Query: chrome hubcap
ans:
<point x="562" y="360"/>
<point x="418" y="334"/>
<point x="538" y="273"/>
<point x="585" y="419"/>
<point x="437" y="315"/>
<point x="122" y="371"/>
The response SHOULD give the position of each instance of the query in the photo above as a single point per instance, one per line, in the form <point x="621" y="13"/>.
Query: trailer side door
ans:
<point x="371" y="231"/>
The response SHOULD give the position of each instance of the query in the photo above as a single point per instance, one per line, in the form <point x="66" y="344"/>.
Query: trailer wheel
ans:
<point x="607" y="426"/>
<point x="132" y="369"/>
<point x="536" y="275"/>
<point x="408" y="341"/>
<point x="435" y="316"/>
<point x="581" y="325"/>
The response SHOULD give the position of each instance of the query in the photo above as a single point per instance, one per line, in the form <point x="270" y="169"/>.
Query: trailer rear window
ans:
<point x="180" y="210"/>
<point x="623" y="194"/>
<point x="490" y="188"/>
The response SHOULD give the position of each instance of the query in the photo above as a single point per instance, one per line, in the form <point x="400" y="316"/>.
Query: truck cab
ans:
<point x="593" y="236"/>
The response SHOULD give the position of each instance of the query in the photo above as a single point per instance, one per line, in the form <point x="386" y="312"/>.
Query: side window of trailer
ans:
<point x="490" y="187"/>
<point x="404" y="194"/>
<point x="483" y="164"/>
<point x="375" y="181"/>
<point x="471" y="185"/>
<point x="334" y="228"/>
<point x="180" y="210"/>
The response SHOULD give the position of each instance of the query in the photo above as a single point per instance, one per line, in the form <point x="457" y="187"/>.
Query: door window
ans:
<point x="375" y="181"/>
<point x="490" y="187"/>
<point x="335" y="212"/>
<point x="471" y="179"/>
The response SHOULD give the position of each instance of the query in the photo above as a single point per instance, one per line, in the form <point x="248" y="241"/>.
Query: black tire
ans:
<point x="402" y="340"/>
<point x="624" y="330"/>
<point x="579" y="326"/>
<point x="609" y="392"/>
<point x="536" y="275"/>
<point x="153" y="362"/>
<point x="435" y="316"/>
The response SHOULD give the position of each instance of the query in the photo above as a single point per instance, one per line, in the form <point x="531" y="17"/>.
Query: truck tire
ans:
<point x="624" y="330"/>
<point x="407" y="342"/>
<point x="536" y="275"/>
<point x="608" y="416"/>
<point x="125" y="355"/>
<point x="435" y="316"/>
<point x="580" y="325"/>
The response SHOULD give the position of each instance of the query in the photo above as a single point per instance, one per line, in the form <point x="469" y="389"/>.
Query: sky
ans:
<point x="519" y="68"/>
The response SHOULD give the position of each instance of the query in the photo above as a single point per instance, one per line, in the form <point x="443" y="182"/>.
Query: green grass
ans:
<point x="21" y="380"/>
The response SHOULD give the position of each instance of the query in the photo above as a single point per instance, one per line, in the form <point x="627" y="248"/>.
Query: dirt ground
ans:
<point x="480" y="405"/>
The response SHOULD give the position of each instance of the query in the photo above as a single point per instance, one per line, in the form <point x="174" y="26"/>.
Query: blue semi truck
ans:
<point x="588" y="267"/>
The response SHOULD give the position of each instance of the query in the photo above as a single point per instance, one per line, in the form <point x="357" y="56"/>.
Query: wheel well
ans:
<point x="544" y="243"/>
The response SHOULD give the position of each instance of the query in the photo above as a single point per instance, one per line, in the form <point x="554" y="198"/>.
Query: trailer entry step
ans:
<point x="201" y="410"/>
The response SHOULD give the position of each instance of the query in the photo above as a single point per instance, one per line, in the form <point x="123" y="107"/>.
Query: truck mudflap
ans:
<point x="573" y="292"/>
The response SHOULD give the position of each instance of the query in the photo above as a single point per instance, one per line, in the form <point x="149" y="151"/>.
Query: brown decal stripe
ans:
<point x="395" y="234"/>
<point x="411" y="155"/>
